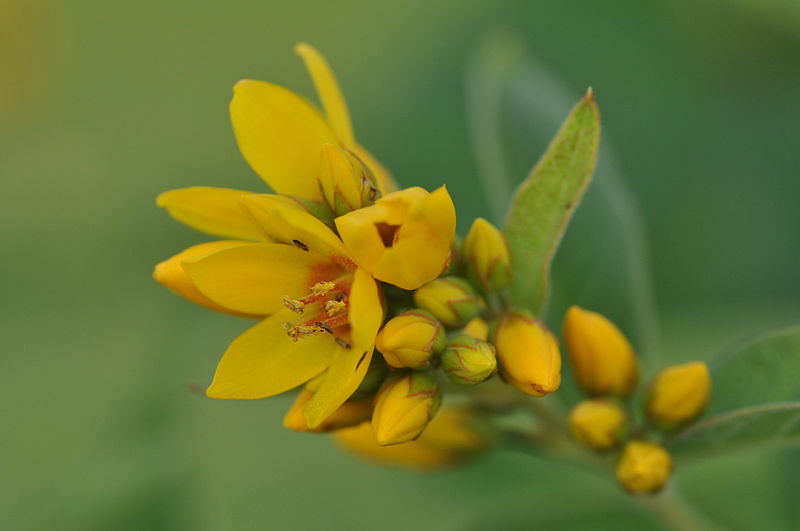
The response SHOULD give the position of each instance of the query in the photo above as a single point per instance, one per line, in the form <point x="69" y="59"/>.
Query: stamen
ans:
<point x="299" y="331"/>
<point x="321" y="288"/>
<point x="334" y="307"/>
<point x="294" y="305"/>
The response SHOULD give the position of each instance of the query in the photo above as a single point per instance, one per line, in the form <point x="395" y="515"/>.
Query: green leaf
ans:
<point x="755" y="427"/>
<point x="761" y="370"/>
<point x="545" y="201"/>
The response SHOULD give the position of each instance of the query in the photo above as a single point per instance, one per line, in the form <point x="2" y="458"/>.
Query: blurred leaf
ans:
<point x="544" y="203"/>
<point x="742" y="429"/>
<point x="760" y="371"/>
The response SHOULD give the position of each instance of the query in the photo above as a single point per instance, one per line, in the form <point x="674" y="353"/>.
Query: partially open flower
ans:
<point x="528" y="354"/>
<point x="678" y="393"/>
<point x="347" y="184"/>
<point x="644" y="467"/>
<point x="597" y="423"/>
<point x="450" y="299"/>
<point x="404" y="406"/>
<point x="411" y="339"/>
<point x="403" y="239"/>
<point x="603" y="359"/>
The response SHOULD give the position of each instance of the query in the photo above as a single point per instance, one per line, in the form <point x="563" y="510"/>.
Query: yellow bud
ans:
<point x="346" y="182"/>
<point x="644" y="467"/>
<point x="468" y="361"/>
<point x="477" y="328"/>
<point x="350" y="413"/>
<point x="411" y="339"/>
<point x="678" y="393"/>
<point x="597" y="423"/>
<point x="450" y="299"/>
<point x="487" y="255"/>
<point x="403" y="239"/>
<point x="527" y="354"/>
<point x="602" y="358"/>
<point x="449" y="439"/>
<point x="404" y="406"/>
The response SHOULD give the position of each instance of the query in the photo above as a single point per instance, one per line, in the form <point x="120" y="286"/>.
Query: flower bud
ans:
<point x="351" y="413"/>
<point x="487" y="255"/>
<point x="678" y="393"/>
<point x="603" y="360"/>
<point x="468" y="361"/>
<point x="346" y="182"/>
<point x="643" y="468"/>
<point x="597" y="423"/>
<point x="411" y="339"/>
<point x="477" y="328"/>
<point x="450" y="438"/>
<point x="404" y="406"/>
<point x="450" y="299"/>
<point x="527" y="354"/>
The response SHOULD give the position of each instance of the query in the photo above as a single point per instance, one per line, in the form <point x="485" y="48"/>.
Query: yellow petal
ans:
<point x="264" y="361"/>
<point x="171" y="274"/>
<point x="350" y="364"/>
<point x="288" y="223"/>
<point x="386" y="183"/>
<point x="253" y="278"/>
<point x="329" y="92"/>
<point x="280" y="135"/>
<point x="215" y="211"/>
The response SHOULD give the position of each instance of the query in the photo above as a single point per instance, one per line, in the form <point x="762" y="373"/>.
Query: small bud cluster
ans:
<point x="605" y="367"/>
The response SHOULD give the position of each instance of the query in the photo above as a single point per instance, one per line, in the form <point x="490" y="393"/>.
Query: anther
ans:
<point x="294" y="305"/>
<point x="321" y="288"/>
<point x="334" y="307"/>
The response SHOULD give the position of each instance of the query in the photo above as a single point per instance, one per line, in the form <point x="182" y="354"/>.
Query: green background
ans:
<point x="105" y="104"/>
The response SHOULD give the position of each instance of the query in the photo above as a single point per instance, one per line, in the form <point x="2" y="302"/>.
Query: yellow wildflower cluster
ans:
<point x="606" y="368"/>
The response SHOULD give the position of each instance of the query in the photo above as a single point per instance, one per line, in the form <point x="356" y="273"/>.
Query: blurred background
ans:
<point x="105" y="104"/>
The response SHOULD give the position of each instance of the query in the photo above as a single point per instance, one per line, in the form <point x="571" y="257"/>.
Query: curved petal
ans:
<point x="170" y="273"/>
<point x="280" y="135"/>
<point x="349" y="365"/>
<point x="215" y="211"/>
<point x="264" y="361"/>
<point x="253" y="278"/>
<point x="329" y="92"/>
<point x="289" y="223"/>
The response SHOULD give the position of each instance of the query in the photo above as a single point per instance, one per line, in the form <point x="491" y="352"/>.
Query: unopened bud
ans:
<point x="602" y="358"/>
<point x="404" y="406"/>
<point x="411" y="339"/>
<point x="347" y="184"/>
<point x="450" y="299"/>
<point x="597" y="423"/>
<point x="487" y="255"/>
<point x="477" y="328"/>
<point x="468" y="361"/>
<point x="643" y="468"/>
<point x="678" y="393"/>
<point x="351" y="413"/>
<point x="527" y="354"/>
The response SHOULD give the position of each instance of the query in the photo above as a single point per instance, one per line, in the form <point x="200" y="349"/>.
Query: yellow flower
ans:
<point x="404" y="238"/>
<point x="679" y="393"/>
<point x="597" y="423"/>
<point x="347" y="184"/>
<point x="351" y="413"/>
<point x="449" y="439"/>
<point x="411" y="339"/>
<point x="450" y="299"/>
<point x="527" y="354"/>
<point x="602" y="357"/>
<point x="323" y="311"/>
<point x="487" y="255"/>
<point x="644" y="467"/>
<point x="404" y="406"/>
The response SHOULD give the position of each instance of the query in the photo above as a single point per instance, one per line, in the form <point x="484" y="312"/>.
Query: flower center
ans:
<point x="388" y="233"/>
<point x="324" y="310"/>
